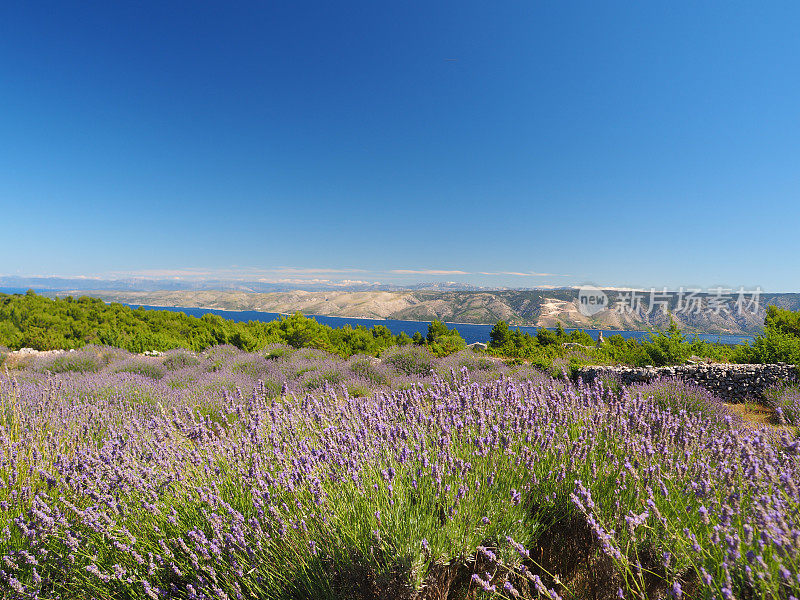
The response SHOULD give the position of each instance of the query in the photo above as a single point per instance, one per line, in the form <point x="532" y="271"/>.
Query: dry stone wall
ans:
<point x="732" y="383"/>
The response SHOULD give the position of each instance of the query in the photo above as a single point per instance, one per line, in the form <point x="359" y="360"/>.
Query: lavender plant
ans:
<point x="457" y="485"/>
<point x="679" y="395"/>
<point x="785" y="400"/>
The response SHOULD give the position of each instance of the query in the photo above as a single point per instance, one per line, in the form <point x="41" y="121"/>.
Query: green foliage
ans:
<point x="559" y="351"/>
<point x="782" y="320"/>
<point x="667" y="349"/>
<point x="41" y="323"/>
<point x="555" y="350"/>
<point x="780" y="341"/>
<point x="436" y="329"/>
<point x="78" y="362"/>
<point x="45" y="324"/>
<point x="365" y="368"/>
<point x="543" y="348"/>
<point x="545" y="337"/>
<point x="785" y="399"/>
<point x="145" y="368"/>
<point x="179" y="360"/>
<point x="443" y="341"/>
<point x="500" y="335"/>
<point x="447" y="344"/>
<point x="658" y="349"/>
<point x="411" y="361"/>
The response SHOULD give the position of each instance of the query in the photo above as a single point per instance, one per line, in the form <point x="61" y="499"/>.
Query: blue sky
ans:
<point x="514" y="143"/>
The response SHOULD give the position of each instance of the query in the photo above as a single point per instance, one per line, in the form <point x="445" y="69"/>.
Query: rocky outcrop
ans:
<point x="24" y="356"/>
<point x="732" y="383"/>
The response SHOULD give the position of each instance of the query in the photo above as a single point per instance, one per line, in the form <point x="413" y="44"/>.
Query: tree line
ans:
<point x="33" y="321"/>
<point x="779" y="342"/>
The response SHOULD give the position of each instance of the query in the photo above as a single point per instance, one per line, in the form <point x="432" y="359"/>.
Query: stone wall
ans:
<point x="732" y="383"/>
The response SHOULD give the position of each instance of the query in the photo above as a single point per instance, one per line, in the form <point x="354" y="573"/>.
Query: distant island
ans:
<point x="538" y="308"/>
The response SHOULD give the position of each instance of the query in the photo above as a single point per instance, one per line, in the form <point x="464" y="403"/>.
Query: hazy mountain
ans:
<point x="141" y="284"/>
<point x="518" y="307"/>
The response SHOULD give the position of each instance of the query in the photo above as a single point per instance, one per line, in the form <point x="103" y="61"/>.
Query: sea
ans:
<point x="471" y="332"/>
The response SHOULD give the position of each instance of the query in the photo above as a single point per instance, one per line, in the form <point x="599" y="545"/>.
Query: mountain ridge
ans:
<point x="538" y="308"/>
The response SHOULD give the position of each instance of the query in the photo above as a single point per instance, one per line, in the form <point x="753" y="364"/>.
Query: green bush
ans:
<point x="179" y="359"/>
<point x="79" y="362"/>
<point x="316" y="380"/>
<point x="364" y="367"/>
<point x="785" y="400"/>
<point x="276" y="353"/>
<point x="558" y="350"/>
<point x="42" y="323"/>
<point x="254" y="368"/>
<point x="411" y="361"/>
<point x="445" y="345"/>
<point x="356" y="390"/>
<point x="145" y="368"/>
<point x="667" y="349"/>
<point x="782" y="320"/>
<point x="442" y="341"/>
<point x="678" y="395"/>
<point x="773" y="346"/>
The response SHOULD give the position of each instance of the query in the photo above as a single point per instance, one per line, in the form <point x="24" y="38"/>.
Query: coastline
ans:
<point x="311" y="315"/>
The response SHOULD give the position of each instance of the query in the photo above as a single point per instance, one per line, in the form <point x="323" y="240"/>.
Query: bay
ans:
<point x="471" y="332"/>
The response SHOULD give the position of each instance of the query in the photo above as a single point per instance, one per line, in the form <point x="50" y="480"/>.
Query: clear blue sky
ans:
<point x="651" y="144"/>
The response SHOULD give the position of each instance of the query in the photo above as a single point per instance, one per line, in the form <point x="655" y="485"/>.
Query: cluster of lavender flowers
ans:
<point x="679" y="395"/>
<point x="785" y="401"/>
<point x="233" y="475"/>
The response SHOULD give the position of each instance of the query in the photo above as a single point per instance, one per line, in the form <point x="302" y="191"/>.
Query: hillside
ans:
<point x="543" y="308"/>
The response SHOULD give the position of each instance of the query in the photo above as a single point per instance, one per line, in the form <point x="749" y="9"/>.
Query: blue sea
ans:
<point x="469" y="331"/>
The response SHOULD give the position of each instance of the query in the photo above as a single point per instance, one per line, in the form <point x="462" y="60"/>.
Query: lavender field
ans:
<point x="293" y="474"/>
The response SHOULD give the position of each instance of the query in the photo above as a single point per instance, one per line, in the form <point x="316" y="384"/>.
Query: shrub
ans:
<point x="356" y="390"/>
<point x="667" y="349"/>
<point x="252" y="367"/>
<point x="374" y="372"/>
<point x="773" y="346"/>
<point x="676" y="395"/>
<point x="443" y="341"/>
<point x="271" y="388"/>
<point x="178" y="359"/>
<point x="786" y="402"/>
<point x="411" y="361"/>
<point x="276" y="351"/>
<point x="143" y="367"/>
<point x="79" y="362"/>
<point x="316" y="380"/>
<point x="782" y="320"/>
<point x="447" y="344"/>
